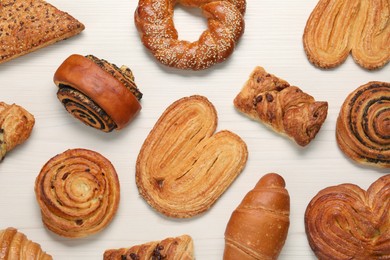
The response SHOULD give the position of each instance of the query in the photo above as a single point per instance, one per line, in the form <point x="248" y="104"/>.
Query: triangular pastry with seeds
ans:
<point x="27" y="25"/>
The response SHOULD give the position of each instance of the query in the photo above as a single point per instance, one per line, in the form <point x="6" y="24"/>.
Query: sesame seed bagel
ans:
<point x="154" y="21"/>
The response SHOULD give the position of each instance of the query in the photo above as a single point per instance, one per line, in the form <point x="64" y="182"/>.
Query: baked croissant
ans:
<point x="258" y="227"/>
<point x="347" y="222"/>
<point x="16" y="125"/>
<point x="285" y="108"/>
<point x="175" y="248"/>
<point x="15" y="245"/>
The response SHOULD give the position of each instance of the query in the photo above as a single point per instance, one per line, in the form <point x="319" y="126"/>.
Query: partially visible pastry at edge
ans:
<point x="15" y="245"/>
<point x="184" y="166"/>
<point x="78" y="193"/>
<point x="347" y="222"/>
<point x="258" y="227"/>
<point x="173" y="248"/>
<point x="97" y="92"/>
<point x="16" y="125"/>
<point x="336" y="28"/>
<point x="29" y="25"/>
<point x="363" y="125"/>
<point x="285" y="108"/>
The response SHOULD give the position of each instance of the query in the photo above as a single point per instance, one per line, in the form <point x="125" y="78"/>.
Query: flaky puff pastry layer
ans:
<point x="336" y="28"/>
<point x="347" y="222"/>
<point x="175" y="248"/>
<point x="16" y="125"/>
<point x="15" y="245"/>
<point x="184" y="166"/>
<point x="78" y="193"/>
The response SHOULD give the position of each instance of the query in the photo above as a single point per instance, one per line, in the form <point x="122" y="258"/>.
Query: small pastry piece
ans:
<point x="363" y="125"/>
<point x="285" y="108"/>
<point x="258" y="227"/>
<point x="175" y="248"/>
<point x="15" y="245"/>
<point x="337" y="27"/>
<point x="346" y="222"/>
<point x="29" y="25"/>
<point x="16" y="125"/>
<point x="97" y="92"/>
<point x="184" y="166"/>
<point x="78" y="193"/>
<point x="225" y="21"/>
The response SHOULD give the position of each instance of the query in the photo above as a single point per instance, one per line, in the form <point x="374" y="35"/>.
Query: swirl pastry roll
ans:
<point x="347" y="222"/>
<point x="184" y="166"/>
<point x="285" y="108"/>
<point x="78" y="193"/>
<point x="363" y="125"/>
<point x="170" y="248"/>
<point x="258" y="227"/>
<point x="16" y="125"/>
<point x="336" y="28"/>
<point x="15" y="245"/>
<point x="97" y="92"/>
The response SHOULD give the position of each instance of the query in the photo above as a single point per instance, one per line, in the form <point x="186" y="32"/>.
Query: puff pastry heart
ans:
<point x="346" y="222"/>
<point x="183" y="166"/>
<point x="337" y="27"/>
<point x="285" y="108"/>
<point x="78" y="193"/>
<point x="363" y="125"/>
<point x="170" y="248"/>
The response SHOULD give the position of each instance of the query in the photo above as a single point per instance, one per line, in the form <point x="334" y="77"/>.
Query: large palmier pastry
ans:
<point x="78" y="193"/>
<point x="155" y="23"/>
<point x="184" y="166"/>
<point x="29" y="25"/>
<point x="16" y="125"/>
<point x="346" y="222"/>
<point x="175" y="248"/>
<point x="285" y="108"/>
<point x="15" y="245"/>
<point x="363" y="125"/>
<point x="258" y="227"/>
<point x="97" y="93"/>
<point x="336" y="28"/>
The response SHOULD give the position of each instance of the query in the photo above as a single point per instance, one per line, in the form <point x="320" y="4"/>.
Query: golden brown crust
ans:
<point x="363" y="125"/>
<point x="15" y="245"/>
<point x="95" y="96"/>
<point x="184" y="166"/>
<point x="27" y="25"/>
<point x="154" y="21"/>
<point x="258" y="227"/>
<point x="170" y="248"/>
<point x="285" y="108"/>
<point x="78" y="192"/>
<point x="346" y="222"/>
<point x="16" y="125"/>
<point x="335" y="28"/>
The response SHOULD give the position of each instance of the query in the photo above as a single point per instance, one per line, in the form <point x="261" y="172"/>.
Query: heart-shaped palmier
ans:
<point x="184" y="166"/>
<point x="346" y="222"/>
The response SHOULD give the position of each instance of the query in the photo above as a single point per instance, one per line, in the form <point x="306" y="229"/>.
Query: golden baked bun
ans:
<point x="363" y="125"/>
<point x="336" y="28"/>
<point x="16" y="125"/>
<point x="184" y="166"/>
<point x="14" y="245"/>
<point x="97" y="92"/>
<point x="175" y="248"/>
<point x="30" y="25"/>
<point x="284" y="108"/>
<point x="78" y="192"/>
<point x="347" y="222"/>
<point x="258" y="227"/>
<point x="155" y="23"/>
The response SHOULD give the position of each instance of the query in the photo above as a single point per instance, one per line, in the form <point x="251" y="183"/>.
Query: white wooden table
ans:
<point x="272" y="39"/>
